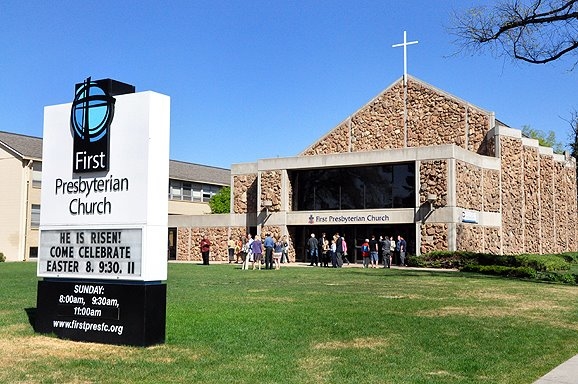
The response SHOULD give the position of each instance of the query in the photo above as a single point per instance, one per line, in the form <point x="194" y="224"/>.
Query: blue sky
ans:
<point x="254" y="79"/>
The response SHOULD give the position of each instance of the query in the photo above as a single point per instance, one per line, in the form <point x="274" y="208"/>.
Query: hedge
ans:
<point x="554" y="268"/>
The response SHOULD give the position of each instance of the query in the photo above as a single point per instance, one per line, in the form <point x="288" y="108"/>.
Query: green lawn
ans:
<point x="311" y="325"/>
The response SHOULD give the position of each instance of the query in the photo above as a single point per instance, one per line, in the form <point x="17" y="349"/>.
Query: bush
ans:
<point x="570" y="257"/>
<point x="546" y="263"/>
<point x="442" y="259"/>
<point x="2" y="257"/>
<point x="557" y="277"/>
<point x="501" y="270"/>
<point x="560" y="268"/>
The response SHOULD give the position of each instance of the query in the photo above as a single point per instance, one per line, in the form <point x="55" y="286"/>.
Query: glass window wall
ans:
<point x="366" y="187"/>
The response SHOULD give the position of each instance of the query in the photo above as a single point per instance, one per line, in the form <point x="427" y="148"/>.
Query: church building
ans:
<point x="416" y="162"/>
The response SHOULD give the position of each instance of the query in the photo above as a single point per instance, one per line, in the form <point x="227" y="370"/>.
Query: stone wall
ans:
<point x="531" y="171"/>
<point x="271" y="189"/>
<point x="512" y="195"/>
<point x="379" y="124"/>
<point x="538" y="200"/>
<point x="469" y="237"/>
<point x="433" y="176"/>
<point x="433" y="118"/>
<point x="564" y="212"/>
<point x="434" y="237"/>
<point x="468" y="183"/>
<point x="547" y="210"/>
<point x="245" y="193"/>
<point x="560" y="207"/>
<point x="572" y="208"/>
<point x="336" y="141"/>
<point x="492" y="240"/>
<point x="491" y="190"/>
<point x="478" y="125"/>
<point x="189" y="239"/>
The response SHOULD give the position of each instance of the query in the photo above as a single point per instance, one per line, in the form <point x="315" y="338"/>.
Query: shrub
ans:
<point x="570" y="257"/>
<point x="2" y="257"/>
<point x="544" y="262"/>
<point x="441" y="259"/>
<point x="500" y="270"/>
<point x="558" y="277"/>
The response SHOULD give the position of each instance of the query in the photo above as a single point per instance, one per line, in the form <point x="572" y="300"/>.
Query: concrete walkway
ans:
<point x="565" y="373"/>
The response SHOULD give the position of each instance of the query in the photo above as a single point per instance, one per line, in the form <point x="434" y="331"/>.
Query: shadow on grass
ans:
<point x="31" y="313"/>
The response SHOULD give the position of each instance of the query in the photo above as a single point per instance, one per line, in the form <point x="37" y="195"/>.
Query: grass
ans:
<point x="311" y="325"/>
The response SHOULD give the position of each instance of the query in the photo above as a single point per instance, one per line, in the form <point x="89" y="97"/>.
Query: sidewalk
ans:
<point x="565" y="373"/>
<point x="302" y="264"/>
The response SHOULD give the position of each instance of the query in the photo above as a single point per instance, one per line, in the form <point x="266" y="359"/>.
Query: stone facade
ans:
<point x="512" y="195"/>
<point x="470" y="237"/>
<point x="380" y="123"/>
<point x="244" y="193"/>
<point x="434" y="237"/>
<point x="547" y="196"/>
<point x="271" y="189"/>
<point x="531" y="189"/>
<point x="189" y="239"/>
<point x="469" y="193"/>
<point x="491" y="190"/>
<point x="534" y="194"/>
<point x="521" y="195"/>
<point x="433" y="176"/>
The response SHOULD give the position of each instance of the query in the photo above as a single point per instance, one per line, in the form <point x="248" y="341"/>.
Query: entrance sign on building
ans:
<point x="103" y="225"/>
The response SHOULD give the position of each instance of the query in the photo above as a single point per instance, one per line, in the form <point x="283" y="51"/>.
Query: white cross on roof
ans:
<point x="404" y="45"/>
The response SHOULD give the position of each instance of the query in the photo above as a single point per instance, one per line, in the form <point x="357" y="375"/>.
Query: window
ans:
<point x="35" y="216"/>
<point x="365" y="187"/>
<point x="187" y="191"/>
<point x="33" y="253"/>
<point x="197" y="192"/>
<point x="36" y="175"/>
<point x="208" y="192"/>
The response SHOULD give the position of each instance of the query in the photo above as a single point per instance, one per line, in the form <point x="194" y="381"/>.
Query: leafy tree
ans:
<point x="535" y="31"/>
<point x="545" y="139"/>
<point x="221" y="201"/>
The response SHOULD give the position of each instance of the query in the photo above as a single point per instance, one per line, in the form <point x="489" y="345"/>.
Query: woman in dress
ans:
<point x="257" y="249"/>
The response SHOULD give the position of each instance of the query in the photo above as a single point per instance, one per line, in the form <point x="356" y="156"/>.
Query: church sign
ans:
<point x="102" y="258"/>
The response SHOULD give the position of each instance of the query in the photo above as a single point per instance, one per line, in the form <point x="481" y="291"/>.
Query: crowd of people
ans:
<point x="322" y="252"/>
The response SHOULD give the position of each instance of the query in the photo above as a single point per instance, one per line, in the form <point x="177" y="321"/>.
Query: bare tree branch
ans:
<point x="539" y="32"/>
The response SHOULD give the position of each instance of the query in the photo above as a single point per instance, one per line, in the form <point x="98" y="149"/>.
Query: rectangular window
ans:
<point x="33" y="253"/>
<point x="36" y="175"/>
<point x="187" y="191"/>
<point x="175" y="190"/>
<point x="364" y="187"/>
<point x="209" y="191"/>
<point x="35" y="216"/>
<point x="197" y="192"/>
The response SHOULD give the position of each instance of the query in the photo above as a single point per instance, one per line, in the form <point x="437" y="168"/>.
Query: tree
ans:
<point x="535" y="31"/>
<point x="573" y="134"/>
<point x="544" y="139"/>
<point x="221" y="201"/>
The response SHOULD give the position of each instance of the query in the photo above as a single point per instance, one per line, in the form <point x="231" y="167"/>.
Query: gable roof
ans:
<point x="25" y="147"/>
<point x="180" y="170"/>
<point x="29" y="147"/>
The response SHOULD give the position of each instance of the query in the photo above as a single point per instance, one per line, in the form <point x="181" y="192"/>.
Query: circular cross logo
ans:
<point x="92" y="112"/>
